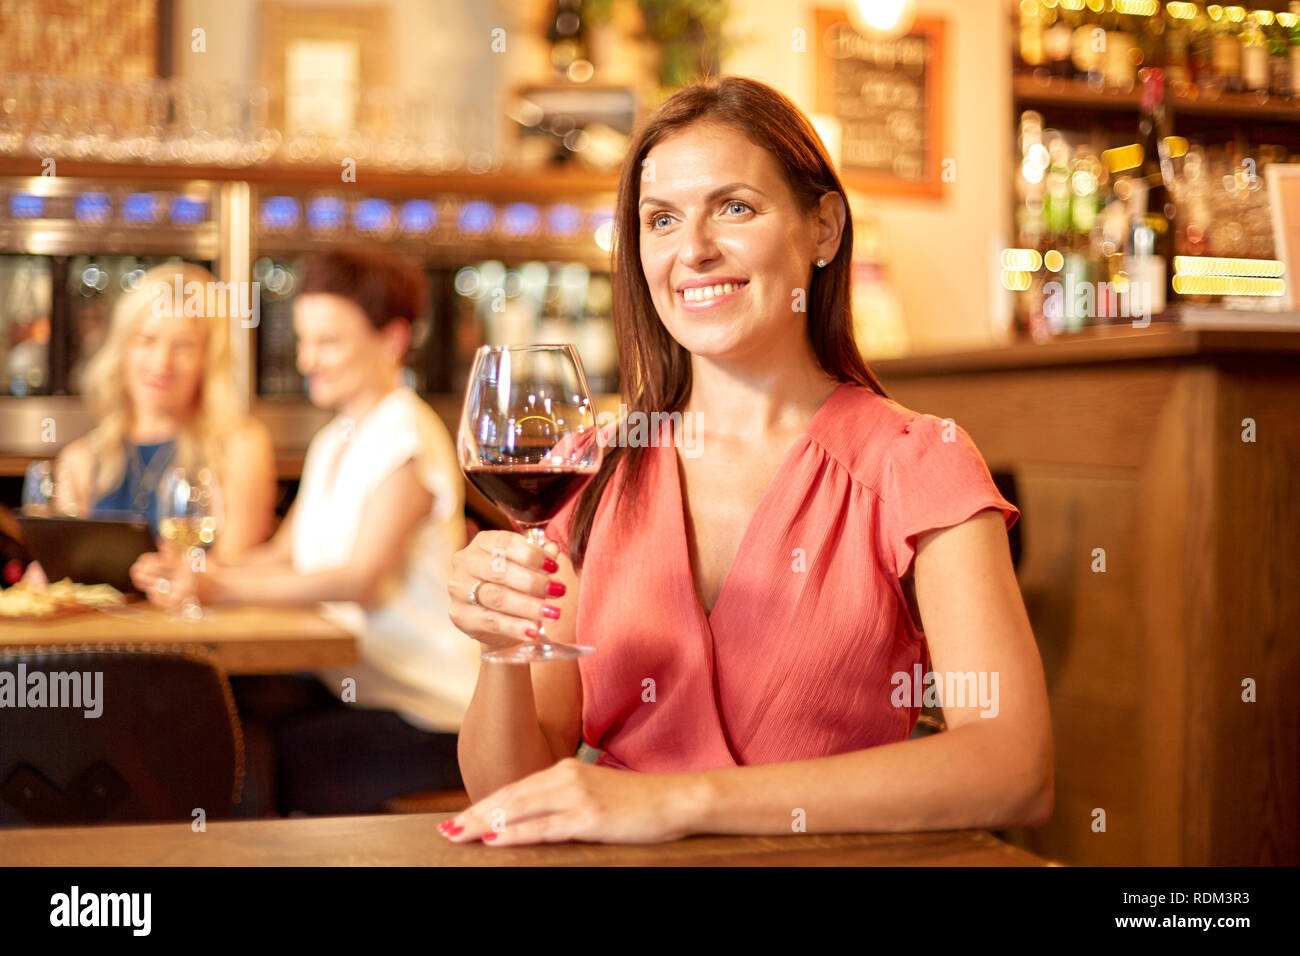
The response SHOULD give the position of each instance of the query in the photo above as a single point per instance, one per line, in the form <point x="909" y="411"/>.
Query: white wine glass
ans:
<point x="189" y="516"/>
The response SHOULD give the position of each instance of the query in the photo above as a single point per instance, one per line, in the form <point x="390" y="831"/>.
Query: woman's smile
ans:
<point x="700" y="295"/>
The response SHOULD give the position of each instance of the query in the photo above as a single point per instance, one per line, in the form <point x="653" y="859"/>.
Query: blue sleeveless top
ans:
<point x="121" y="501"/>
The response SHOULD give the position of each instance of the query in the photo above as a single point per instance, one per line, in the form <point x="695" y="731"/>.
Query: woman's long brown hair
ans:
<point x="654" y="369"/>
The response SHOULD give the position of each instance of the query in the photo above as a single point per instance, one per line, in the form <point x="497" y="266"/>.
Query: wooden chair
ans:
<point x="167" y="740"/>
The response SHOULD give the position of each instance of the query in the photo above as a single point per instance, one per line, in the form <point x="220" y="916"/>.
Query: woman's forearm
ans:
<point x="974" y="776"/>
<point x="280" y="585"/>
<point x="501" y="740"/>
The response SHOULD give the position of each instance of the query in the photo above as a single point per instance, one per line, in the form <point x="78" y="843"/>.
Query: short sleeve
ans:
<point x="934" y="478"/>
<point x="411" y="433"/>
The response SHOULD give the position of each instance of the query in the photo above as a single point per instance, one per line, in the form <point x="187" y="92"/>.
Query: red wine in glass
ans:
<point x="527" y="440"/>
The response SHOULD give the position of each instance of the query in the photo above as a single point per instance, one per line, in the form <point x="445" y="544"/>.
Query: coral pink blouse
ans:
<point x="795" y="660"/>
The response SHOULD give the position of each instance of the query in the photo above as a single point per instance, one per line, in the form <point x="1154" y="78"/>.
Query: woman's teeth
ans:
<point x="705" y="292"/>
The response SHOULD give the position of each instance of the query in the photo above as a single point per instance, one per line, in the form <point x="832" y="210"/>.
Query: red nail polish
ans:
<point x="551" y="611"/>
<point x="555" y="589"/>
<point x="550" y="566"/>
<point x="456" y="831"/>
<point x="531" y="633"/>
<point x="489" y="836"/>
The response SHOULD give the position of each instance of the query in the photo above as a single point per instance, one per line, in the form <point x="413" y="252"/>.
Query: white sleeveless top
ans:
<point x="412" y="659"/>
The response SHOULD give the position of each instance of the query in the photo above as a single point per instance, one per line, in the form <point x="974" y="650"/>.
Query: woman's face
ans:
<point x="339" y="351"/>
<point x="165" y="363"/>
<point x="716" y="211"/>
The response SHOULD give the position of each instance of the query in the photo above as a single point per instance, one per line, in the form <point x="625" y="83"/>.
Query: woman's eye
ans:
<point x="654" y="220"/>
<point x="738" y="207"/>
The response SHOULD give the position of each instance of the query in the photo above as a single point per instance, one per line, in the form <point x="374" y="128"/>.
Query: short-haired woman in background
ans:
<point x="379" y="513"/>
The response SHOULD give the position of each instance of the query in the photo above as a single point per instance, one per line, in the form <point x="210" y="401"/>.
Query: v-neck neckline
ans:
<point x="764" y="503"/>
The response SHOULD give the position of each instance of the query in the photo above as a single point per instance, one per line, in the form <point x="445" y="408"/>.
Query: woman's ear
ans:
<point x="397" y="338"/>
<point x="831" y="215"/>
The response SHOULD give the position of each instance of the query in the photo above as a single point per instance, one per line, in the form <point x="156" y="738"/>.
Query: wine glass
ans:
<point x="189" y="514"/>
<point x="527" y="440"/>
<point x="38" y="489"/>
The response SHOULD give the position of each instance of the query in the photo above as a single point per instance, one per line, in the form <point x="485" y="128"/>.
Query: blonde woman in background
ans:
<point x="162" y="391"/>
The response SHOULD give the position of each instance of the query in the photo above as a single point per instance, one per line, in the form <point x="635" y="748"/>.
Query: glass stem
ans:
<point x="537" y="538"/>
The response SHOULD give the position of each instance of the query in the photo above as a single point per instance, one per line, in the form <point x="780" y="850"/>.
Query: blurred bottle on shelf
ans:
<point x="1226" y="52"/>
<point x="1087" y="48"/>
<point x="1254" y="53"/>
<point x="1057" y="39"/>
<point x="1279" y="60"/>
<point x="1151" y="240"/>
<point x="1029" y="48"/>
<point x="1119" y="67"/>
<point x="1201" y="52"/>
<point x="1177" y="56"/>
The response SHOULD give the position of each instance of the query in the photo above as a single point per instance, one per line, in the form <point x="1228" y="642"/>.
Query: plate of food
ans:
<point x="26" y="602"/>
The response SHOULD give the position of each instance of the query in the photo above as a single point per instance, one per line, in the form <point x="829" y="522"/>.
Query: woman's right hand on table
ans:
<point x="517" y="588"/>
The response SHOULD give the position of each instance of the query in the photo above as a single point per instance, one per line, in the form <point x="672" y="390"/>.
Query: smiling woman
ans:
<point x="162" y="391"/>
<point x="753" y="607"/>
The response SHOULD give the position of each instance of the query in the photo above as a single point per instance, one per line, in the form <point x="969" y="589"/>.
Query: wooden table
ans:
<point x="411" y="840"/>
<point x="246" y="640"/>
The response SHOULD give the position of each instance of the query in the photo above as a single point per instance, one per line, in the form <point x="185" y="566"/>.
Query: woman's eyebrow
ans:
<point x="714" y="194"/>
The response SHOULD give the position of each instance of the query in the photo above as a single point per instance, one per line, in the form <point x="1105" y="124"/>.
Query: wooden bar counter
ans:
<point x="1131" y="443"/>
<point x="413" y="840"/>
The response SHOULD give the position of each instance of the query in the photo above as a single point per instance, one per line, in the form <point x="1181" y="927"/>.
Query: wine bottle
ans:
<point x="1056" y="41"/>
<point x="1227" y="54"/>
<point x="1151" y="240"/>
<point x="1254" y="55"/>
<point x="1176" y="60"/>
<point x="1087" y="48"/>
<point x="1031" y="36"/>
<point x="1293" y="47"/>
<point x="1201" y="53"/>
<point x="1120" y="70"/>
<point x="1279" y="63"/>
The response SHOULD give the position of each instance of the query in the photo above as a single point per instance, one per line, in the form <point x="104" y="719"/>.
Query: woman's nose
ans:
<point x="698" y="244"/>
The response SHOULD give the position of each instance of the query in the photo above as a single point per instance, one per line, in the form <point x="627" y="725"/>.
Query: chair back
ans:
<point x="116" y="733"/>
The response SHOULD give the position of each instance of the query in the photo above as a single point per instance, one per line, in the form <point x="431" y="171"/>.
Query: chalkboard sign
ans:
<point x="886" y="94"/>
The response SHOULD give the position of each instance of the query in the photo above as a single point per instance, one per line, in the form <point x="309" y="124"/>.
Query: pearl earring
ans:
<point x="821" y="263"/>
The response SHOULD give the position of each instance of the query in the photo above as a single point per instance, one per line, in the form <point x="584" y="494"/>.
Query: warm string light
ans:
<point x="1227" y="285"/>
<point x="1218" y="266"/>
<point x="1137" y="8"/>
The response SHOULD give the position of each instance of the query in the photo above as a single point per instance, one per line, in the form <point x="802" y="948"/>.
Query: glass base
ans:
<point x="530" y="652"/>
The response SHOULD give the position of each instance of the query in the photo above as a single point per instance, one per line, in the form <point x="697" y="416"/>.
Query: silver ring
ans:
<point x="473" y="594"/>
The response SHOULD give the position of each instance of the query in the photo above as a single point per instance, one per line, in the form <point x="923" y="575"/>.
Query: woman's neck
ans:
<point x="750" y="401"/>
<point x="151" y="428"/>
<point x="363" y="403"/>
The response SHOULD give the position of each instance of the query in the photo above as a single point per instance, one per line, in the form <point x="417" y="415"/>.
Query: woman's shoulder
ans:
<point x="403" y="409"/>
<point x="77" y="457"/>
<point x="862" y="431"/>
<point x="248" y="436"/>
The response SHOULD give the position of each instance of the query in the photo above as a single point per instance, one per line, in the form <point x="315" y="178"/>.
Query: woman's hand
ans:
<point x="516" y="590"/>
<point x="168" y="581"/>
<point x="572" y="800"/>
